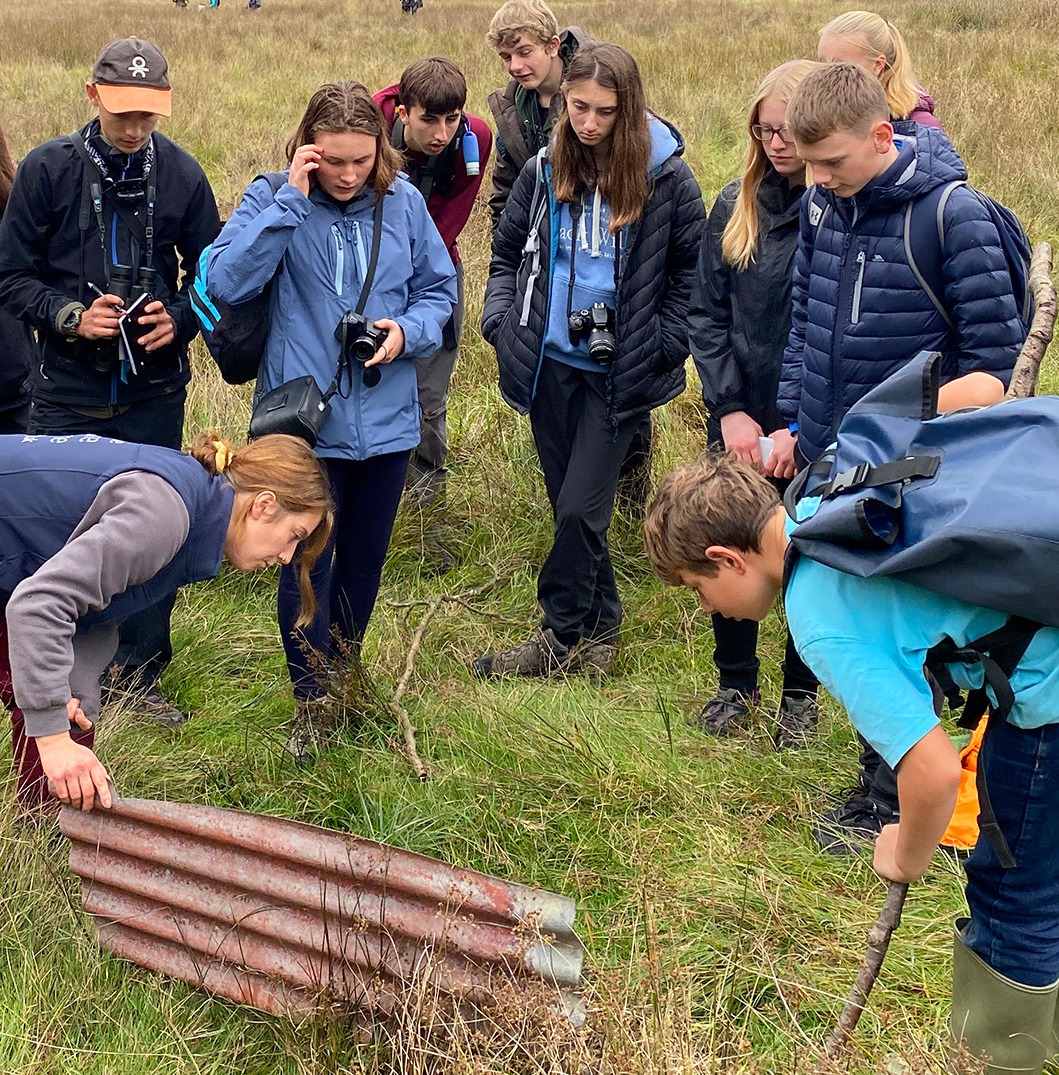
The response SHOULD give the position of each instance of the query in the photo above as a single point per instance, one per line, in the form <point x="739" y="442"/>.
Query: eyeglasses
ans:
<point x="764" y="133"/>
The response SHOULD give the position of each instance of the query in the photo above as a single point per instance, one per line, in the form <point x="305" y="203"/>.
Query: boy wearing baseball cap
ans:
<point x="97" y="222"/>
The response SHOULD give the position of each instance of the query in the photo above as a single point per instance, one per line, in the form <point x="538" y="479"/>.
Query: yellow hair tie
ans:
<point x="222" y="456"/>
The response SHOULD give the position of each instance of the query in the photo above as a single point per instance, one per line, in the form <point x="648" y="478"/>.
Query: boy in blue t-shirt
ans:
<point x="717" y="527"/>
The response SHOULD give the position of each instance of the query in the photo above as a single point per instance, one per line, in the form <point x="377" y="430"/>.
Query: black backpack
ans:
<point x="234" y="333"/>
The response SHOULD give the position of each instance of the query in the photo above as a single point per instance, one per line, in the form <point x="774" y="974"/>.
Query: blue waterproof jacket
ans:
<point x="858" y="312"/>
<point x="655" y="277"/>
<point x="321" y="249"/>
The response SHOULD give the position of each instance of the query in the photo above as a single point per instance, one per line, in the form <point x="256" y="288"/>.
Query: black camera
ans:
<point x="360" y="339"/>
<point x="597" y="322"/>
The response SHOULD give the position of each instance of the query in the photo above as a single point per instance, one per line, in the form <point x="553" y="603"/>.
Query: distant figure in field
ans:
<point x="740" y="320"/>
<point x="876" y="46"/>
<point x="584" y="349"/>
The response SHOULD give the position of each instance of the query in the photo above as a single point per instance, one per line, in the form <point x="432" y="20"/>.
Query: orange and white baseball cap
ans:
<point x="131" y="75"/>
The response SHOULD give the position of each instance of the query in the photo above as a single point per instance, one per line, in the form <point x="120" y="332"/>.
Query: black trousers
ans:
<point x="144" y="644"/>
<point x="735" y="654"/>
<point x="581" y="453"/>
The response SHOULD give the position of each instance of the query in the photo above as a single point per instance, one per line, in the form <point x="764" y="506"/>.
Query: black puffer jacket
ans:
<point x="740" y="320"/>
<point x="658" y="256"/>
<point x="50" y="250"/>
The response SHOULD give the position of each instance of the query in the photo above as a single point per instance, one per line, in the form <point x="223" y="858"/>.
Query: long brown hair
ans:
<point x="739" y="241"/>
<point x="340" y="107"/>
<point x="625" y="184"/>
<point x="286" y="467"/>
<point x="7" y="172"/>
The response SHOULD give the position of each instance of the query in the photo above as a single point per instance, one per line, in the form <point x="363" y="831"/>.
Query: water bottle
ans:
<point x="470" y="152"/>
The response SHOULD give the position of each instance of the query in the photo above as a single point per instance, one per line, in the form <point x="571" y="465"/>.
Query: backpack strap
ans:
<point x="999" y="654"/>
<point x="924" y="240"/>
<point x="532" y="248"/>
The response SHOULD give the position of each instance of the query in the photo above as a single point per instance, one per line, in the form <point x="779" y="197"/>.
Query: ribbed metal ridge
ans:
<point x="288" y="917"/>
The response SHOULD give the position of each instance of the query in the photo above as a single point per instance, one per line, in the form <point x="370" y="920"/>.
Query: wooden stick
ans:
<point x="1028" y="365"/>
<point x="878" y="941"/>
<point x="432" y="606"/>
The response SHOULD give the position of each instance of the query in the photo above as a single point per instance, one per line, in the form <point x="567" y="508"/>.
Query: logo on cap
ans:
<point x="139" y="68"/>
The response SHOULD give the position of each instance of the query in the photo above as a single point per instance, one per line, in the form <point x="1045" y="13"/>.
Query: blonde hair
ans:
<point x="625" y="184"/>
<point x="286" y="467"/>
<point x="835" y="97"/>
<point x="341" y="107"/>
<point x="715" y="500"/>
<point x="529" y="18"/>
<point x="878" y="37"/>
<point x="739" y="241"/>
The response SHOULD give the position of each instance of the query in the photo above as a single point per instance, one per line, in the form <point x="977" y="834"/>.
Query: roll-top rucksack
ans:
<point x="965" y="504"/>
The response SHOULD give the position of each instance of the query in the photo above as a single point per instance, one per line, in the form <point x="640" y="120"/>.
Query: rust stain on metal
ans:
<point x="288" y="917"/>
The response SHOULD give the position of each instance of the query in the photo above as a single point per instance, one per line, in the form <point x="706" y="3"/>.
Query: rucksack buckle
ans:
<point x="853" y="478"/>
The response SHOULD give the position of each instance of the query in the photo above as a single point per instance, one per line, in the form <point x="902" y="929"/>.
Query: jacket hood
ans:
<point x="666" y="142"/>
<point x="925" y="160"/>
<point x="387" y="101"/>
<point x="570" y="40"/>
<point x="924" y="103"/>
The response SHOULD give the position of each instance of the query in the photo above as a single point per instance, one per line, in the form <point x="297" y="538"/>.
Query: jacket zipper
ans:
<point x="854" y="316"/>
<point x="340" y="260"/>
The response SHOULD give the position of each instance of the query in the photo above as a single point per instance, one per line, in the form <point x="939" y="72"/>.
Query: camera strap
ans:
<point x="576" y="211"/>
<point x="142" y="232"/>
<point x="362" y="301"/>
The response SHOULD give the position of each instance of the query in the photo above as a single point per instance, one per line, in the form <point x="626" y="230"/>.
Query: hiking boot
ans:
<point x="796" y="723"/>
<point x="852" y="827"/>
<point x="542" y="655"/>
<point x="159" y="710"/>
<point x="592" y="657"/>
<point x="725" y="712"/>
<point x="311" y="727"/>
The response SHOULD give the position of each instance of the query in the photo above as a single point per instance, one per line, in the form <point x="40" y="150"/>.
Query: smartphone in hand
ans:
<point x="130" y="330"/>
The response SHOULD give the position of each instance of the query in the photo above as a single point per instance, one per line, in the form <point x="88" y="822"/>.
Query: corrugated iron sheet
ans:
<point x="288" y="917"/>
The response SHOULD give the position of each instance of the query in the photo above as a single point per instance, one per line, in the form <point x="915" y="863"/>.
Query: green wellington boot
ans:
<point x="993" y="1016"/>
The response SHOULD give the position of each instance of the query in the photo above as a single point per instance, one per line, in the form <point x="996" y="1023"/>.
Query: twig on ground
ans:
<point x="431" y="607"/>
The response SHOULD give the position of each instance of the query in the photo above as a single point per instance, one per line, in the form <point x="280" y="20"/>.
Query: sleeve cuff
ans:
<point x="41" y="722"/>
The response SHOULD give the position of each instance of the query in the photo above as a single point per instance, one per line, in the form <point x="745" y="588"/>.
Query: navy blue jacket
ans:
<point x="655" y="277"/>
<point x="50" y="250"/>
<point x="858" y="312"/>
<point x="47" y="484"/>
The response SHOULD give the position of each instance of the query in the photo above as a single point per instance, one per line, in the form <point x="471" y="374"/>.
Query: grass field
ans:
<point x="718" y="939"/>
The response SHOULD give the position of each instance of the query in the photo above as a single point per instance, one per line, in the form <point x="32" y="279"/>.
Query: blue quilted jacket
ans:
<point x="858" y="311"/>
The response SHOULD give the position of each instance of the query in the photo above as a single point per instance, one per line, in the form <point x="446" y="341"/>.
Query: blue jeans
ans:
<point x="1015" y="913"/>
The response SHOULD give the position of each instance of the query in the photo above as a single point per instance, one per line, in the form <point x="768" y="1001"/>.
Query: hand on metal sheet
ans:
<point x="75" y="774"/>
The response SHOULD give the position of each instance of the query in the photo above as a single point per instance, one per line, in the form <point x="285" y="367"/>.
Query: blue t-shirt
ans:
<point x="866" y="641"/>
<point x="593" y="278"/>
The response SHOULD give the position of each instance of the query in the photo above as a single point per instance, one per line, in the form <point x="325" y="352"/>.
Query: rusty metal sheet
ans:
<point x="288" y="917"/>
